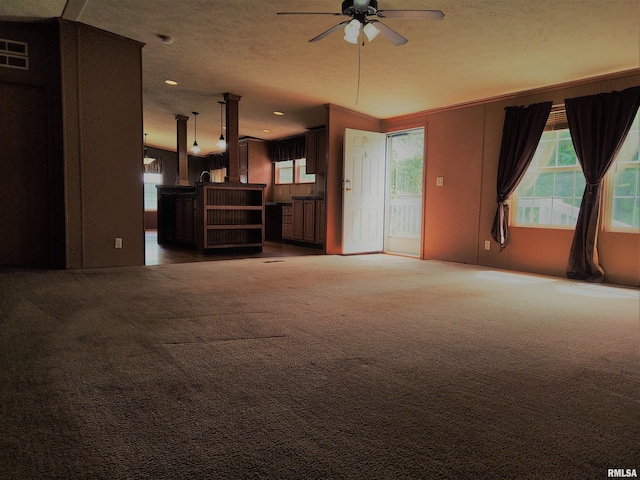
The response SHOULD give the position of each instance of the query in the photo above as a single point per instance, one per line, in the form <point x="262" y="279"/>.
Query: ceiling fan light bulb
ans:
<point x="352" y="31"/>
<point x="351" y="39"/>
<point x="353" y="27"/>
<point x="370" y="31"/>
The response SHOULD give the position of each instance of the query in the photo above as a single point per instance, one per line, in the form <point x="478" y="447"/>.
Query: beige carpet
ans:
<point x="320" y="367"/>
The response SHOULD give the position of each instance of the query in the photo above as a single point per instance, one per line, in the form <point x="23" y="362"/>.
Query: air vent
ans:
<point x="14" y="54"/>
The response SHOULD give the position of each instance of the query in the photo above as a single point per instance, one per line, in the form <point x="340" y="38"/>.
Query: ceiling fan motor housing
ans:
<point x="362" y="7"/>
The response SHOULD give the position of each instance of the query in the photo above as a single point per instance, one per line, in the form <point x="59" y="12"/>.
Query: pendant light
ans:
<point x="147" y="159"/>
<point x="221" y="143"/>
<point x="195" y="148"/>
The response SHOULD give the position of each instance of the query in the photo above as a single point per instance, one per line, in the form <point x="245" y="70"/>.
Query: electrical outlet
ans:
<point x="487" y="244"/>
<point x="118" y="243"/>
<point x="439" y="181"/>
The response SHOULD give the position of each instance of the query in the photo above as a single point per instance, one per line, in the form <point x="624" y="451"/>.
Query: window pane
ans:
<point x="545" y="155"/>
<point x="301" y="172"/>
<point x="625" y="183"/>
<point x="625" y="194"/>
<point x="566" y="153"/>
<point x="544" y="185"/>
<point x="625" y="208"/>
<point x="150" y="191"/>
<point x="563" y="184"/>
<point x="551" y="191"/>
<point x="284" y="172"/>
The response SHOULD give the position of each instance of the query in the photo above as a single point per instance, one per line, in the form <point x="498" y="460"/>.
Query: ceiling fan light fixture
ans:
<point x="370" y="31"/>
<point x="352" y="31"/>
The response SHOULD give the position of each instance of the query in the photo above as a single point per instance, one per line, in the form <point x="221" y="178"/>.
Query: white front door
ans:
<point x="363" y="191"/>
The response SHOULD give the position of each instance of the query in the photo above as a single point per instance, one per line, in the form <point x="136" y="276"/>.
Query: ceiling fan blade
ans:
<point x="309" y="13"/>
<point x="330" y="31"/>
<point x="391" y="35"/>
<point x="426" y="14"/>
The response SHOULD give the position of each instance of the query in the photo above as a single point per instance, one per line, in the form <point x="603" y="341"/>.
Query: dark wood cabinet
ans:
<point x="255" y="166"/>
<point x="321" y="222"/>
<point x="304" y="221"/>
<point x="287" y="222"/>
<point x="243" y="166"/>
<point x="185" y="225"/>
<point x="316" y="148"/>
<point x="211" y="216"/>
<point x="309" y="221"/>
<point x="229" y="216"/>
<point x="298" y="220"/>
<point x="176" y="215"/>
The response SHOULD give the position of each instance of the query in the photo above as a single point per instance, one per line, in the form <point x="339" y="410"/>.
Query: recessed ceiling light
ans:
<point x="278" y="113"/>
<point x="170" y="82"/>
<point x="266" y="130"/>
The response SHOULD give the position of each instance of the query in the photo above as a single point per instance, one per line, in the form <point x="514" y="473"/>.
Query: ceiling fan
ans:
<point x="359" y="11"/>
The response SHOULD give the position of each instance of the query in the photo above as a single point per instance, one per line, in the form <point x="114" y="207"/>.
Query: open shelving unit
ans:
<point x="230" y="216"/>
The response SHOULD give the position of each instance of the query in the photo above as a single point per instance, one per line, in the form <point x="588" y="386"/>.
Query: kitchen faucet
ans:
<point x="202" y="175"/>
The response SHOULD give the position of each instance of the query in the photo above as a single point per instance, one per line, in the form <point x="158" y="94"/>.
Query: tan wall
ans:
<point x="337" y="120"/>
<point x="463" y="146"/>
<point x="454" y="141"/>
<point x="102" y="105"/>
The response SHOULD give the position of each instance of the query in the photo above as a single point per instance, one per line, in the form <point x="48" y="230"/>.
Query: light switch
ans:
<point x="439" y="181"/>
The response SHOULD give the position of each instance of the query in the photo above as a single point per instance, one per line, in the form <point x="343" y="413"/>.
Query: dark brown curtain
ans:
<point x="523" y="127"/>
<point x="598" y="126"/>
<point x="288" y="149"/>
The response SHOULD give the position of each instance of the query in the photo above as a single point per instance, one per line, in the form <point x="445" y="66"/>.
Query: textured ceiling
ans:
<point x="482" y="49"/>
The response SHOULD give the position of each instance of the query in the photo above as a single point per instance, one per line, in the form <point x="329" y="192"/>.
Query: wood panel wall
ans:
<point x="31" y="173"/>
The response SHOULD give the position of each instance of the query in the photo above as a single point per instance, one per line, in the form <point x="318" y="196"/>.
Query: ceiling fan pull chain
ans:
<point x="358" y="87"/>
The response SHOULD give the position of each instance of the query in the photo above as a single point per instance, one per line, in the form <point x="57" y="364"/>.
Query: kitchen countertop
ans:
<point x="307" y="197"/>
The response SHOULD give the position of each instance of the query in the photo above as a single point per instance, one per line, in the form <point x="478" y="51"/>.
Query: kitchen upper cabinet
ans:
<point x="255" y="165"/>
<point x="316" y="148"/>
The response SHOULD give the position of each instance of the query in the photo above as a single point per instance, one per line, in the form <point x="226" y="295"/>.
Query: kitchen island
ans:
<point x="211" y="216"/>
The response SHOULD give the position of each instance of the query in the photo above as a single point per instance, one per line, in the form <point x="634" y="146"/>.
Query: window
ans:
<point x="551" y="191"/>
<point x="150" y="191"/>
<point x="301" y="172"/>
<point x="284" y="172"/>
<point x="293" y="171"/>
<point x="624" y="184"/>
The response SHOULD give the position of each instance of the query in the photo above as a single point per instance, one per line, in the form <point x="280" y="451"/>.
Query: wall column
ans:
<point x="233" y="147"/>
<point x="183" y="158"/>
